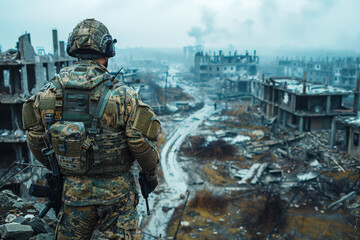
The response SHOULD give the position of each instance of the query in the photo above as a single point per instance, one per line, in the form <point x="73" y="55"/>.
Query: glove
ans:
<point x="152" y="184"/>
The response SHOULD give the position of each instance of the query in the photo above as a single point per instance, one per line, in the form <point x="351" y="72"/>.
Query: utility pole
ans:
<point x="166" y="77"/>
<point x="356" y="93"/>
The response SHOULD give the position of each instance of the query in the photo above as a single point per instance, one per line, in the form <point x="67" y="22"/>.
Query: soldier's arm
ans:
<point x="142" y="129"/>
<point x="31" y="119"/>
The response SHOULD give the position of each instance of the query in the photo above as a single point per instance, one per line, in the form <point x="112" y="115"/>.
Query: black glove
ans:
<point x="152" y="184"/>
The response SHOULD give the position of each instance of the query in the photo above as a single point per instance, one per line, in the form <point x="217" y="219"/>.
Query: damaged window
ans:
<point x="356" y="139"/>
<point x="6" y="78"/>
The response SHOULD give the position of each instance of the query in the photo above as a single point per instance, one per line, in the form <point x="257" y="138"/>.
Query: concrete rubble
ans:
<point x="281" y="164"/>
<point x="20" y="222"/>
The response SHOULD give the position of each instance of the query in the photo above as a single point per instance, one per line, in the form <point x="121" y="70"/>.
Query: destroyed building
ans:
<point x="208" y="66"/>
<point x="345" y="72"/>
<point x="23" y="73"/>
<point x="128" y="76"/>
<point x="295" y="103"/>
<point x="351" y="129"/>
<point x="338" y="72"/>
<point x="189" y="53"/>
<point x="291" y="67"/>
<point x="236" y="87"/>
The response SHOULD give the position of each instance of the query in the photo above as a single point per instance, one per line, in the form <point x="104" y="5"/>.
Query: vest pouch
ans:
<point x="113" y="155"/>
<point x="67" y="139"/>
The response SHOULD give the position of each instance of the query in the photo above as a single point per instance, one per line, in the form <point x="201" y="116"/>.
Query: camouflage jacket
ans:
<point x="124" y="111"/>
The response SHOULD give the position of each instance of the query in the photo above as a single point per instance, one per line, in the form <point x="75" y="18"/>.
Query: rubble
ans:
<point x="347" y="197"/>
<point x="38" y="225"/>
<point x="283" y="167"/>
<point x="20" y="220"/>
<point x="16" y="231"/>
<point x="23" y="72"/>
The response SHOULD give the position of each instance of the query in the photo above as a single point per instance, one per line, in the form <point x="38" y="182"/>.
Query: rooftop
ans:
<point x="351" y="120"/>
<point x="296" y="85"/>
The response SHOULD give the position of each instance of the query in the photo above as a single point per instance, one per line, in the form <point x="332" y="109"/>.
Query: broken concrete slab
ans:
<point x="306" y="176"/>
<point x="38" y="225"/>
<point x="250" y="174"/>
<point x="254" y="173"/>
<point x="20" y="220"/>
<point x="260" y="171"/>
<point x="9" y="218"/>
<point x="44" y="236"/>
<point x="348" y="197"/>
<point x="16" y="231"/>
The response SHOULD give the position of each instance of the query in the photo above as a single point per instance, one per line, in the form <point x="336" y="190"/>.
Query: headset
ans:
<point x="107" y="44"/>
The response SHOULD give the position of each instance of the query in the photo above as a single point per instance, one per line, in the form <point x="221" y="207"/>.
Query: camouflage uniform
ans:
<point x="105" y="195"/>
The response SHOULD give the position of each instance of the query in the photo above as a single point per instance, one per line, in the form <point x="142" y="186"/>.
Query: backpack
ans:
<point x="78" y="109"/>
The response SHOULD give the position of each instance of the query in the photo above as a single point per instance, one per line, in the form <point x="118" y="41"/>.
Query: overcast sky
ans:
<point x="298" y="24"/>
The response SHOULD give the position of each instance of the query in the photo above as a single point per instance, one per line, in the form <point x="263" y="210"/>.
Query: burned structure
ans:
<point x="350" y="127"/>
<point x="128" y="76"/>
<point x="298" y="104"/>
<point x="338" y="72"/>
<point x="190" y="51"/>
<point x="209" y="66"/>
<point x="23" y="73"/>
<point x="236" y="87"/>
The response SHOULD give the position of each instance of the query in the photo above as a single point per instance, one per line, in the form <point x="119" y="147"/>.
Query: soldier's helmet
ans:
<point x="90" y="39"/>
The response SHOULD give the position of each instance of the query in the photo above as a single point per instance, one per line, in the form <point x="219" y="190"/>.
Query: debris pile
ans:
<point x="200" y="148"/>
<point x="290" y="184"/>
<point x="9" y="136"/>
<point x="20" y="221"/>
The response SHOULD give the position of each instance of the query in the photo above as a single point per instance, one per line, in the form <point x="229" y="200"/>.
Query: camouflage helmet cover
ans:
<point x="90" y="39"/>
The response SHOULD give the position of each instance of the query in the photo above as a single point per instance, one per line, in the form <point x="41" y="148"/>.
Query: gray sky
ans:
<point x="251" y="24"/>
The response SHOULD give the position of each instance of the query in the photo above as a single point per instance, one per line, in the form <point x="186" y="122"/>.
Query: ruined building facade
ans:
<point x="298" y="104"/>
<point x="351" y="130"/>
<point x="23" y="73"/>
<point x="189" y="53"/>
<point x="209" y="66"/>
<point x="338" y="72"/>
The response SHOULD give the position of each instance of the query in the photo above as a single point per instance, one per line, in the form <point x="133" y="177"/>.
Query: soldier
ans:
<point x="97" y="130"/>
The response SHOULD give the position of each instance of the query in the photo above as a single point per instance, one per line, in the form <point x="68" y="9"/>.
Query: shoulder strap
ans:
<point x="58" y="100"/>
<point x="98" y="112"/>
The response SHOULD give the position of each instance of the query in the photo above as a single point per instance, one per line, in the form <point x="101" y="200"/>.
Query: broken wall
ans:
<point x="354" y="142"/>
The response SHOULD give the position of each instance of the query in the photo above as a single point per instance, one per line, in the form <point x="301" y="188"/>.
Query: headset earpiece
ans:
<point x="110" y="48"/>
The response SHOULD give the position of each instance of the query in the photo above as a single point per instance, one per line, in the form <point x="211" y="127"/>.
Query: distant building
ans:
<point x="189" y="52"/>
<point x="338" y="72"/>
<point x="319" y="72"/>
<point x="345" y="72"/>
<point x="128" y="76"/>
<point x="298" y="104"/>
<point x="235" y="87"/>
<point x="210" y="66"/>
<point x="292" y="68"/>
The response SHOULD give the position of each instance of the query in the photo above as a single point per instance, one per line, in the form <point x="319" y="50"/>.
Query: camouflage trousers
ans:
<point x="117" y="221"/>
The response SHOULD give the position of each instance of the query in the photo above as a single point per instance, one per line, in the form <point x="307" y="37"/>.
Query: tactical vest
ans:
<point x="80" y="145"/>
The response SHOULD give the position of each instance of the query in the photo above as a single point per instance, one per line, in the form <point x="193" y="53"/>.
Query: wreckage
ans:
<point x="285" y="165"/>
<point x="22" y="73"/>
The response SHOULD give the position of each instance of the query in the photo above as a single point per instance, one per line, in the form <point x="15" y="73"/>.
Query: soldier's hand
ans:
<point x="152" y="184"/>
